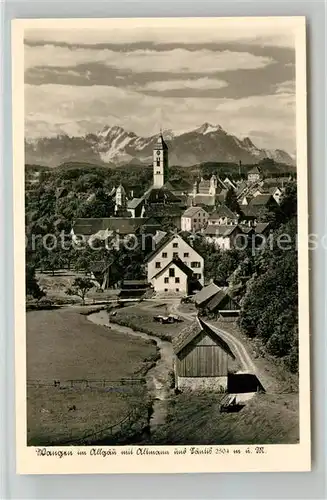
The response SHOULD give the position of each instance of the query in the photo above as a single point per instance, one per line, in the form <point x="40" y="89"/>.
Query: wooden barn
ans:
<point x="223" y="305"/>
<point x="201" y="358"/>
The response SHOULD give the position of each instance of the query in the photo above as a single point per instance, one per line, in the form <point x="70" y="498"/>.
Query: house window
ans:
<point x="175" y="255"/>
<point x="195" y="264"/>
<point x="186" y="254"/>
<point x="176" y="280"/>
<point x="172" y="272"/>
<point x="158" y="162"/>
<point x="166" y="289"/>
<point x="197" y="276"/>
<point x="158" y="265"/>
<point x="164" y="255"/>
<point x="166" y="280"/>
<point x="175" y="245"/>
<point x="177" y="289"/>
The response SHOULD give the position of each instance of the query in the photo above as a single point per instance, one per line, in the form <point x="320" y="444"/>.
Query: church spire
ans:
<point x="160" y="162"/>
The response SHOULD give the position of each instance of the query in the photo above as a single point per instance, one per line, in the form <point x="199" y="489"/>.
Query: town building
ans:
<point x="170" y="247"/>
<point x="176" y="277"/>
<point x="194" y="219"/>
<point x="225" y="237"/>
<point x="202" y="358"/>
<point x="254" y="175"/>
<point x="222" y="216"/>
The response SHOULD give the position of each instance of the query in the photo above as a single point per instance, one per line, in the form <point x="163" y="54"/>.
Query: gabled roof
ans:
<point x="249" y="211"/>
<point x="178" y="185"/>
<point x="261" y="199"/>
<point x="223" y="211"/>
<point x="134" y="203"/>
<point x="220" y="229"/>
<point x="218" y="298"/>
<point x="204" y="199"/>
<point x="177" y="262"/>
<point x="254" y="170"/>
<point x="160" y="195"/>
<point x="261" y="227"/>
<point x="191" y="332"/>
<point x="191" y="211"/>
<point x="205" y="294"/>
<point x="164" y="241"/>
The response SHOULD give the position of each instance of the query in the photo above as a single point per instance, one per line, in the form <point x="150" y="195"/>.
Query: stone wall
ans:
<point x="218" y="384"/>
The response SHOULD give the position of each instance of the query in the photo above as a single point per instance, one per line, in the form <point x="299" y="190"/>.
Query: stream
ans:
<point x="157" y="378"/>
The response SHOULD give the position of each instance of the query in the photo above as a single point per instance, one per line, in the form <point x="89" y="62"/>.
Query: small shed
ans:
<point x="201" y="358"/>
<point x="222" y="304"/>
<point x="205" y="295"/>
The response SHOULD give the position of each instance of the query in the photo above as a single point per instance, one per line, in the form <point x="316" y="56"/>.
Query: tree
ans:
<point x="80" y="287"/>
<point x="231" y="201"/>
<point x="32" y="286"/>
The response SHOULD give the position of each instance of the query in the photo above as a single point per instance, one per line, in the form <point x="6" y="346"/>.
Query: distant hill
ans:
<point x="114" y="146"/>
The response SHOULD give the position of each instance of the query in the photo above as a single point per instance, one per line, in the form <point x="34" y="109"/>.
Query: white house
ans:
<point x="171" y="247"/>
<point x="175" y="277"/>
<point x="225" y="237"/>
<point x="194" y="219"/>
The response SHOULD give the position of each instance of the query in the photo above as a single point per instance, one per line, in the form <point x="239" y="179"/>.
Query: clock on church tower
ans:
<point x="160" y="163"/>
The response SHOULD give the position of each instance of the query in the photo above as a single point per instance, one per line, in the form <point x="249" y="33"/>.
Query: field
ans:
<point x="140" y="317"/>
<point x="63" y="345"/>
<point x="265" y="419"/>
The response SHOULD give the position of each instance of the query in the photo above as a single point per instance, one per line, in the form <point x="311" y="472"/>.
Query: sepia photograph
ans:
<point x="161" y="171"/>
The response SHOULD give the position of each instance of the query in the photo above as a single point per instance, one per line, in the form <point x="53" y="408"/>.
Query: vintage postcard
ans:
<point x="161" y="245"/>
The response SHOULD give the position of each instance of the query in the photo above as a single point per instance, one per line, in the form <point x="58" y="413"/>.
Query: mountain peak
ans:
<point x="207" y="128"/>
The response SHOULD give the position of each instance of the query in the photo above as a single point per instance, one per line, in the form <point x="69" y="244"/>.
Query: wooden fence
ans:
<point x="84" y="383"/>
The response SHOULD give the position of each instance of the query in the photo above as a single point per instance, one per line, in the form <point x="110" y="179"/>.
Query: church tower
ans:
<point x="120" y="198"/>
<point x="160" y="163"/>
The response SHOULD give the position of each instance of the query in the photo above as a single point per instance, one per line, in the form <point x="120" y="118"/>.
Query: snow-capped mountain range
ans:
<point x="114" y="146"/>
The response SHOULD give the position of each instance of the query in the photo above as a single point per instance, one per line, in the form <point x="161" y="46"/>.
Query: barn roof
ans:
<point x="190" y="332"/>
<point x="218" y="298"/>
<point x="254" y="170"/>
<point x="204" y="199"/>
<point x="206" y="293"/>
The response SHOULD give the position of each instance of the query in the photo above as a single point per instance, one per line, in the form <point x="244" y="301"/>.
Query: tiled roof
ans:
<point x="218" y="298"/>
<point x="261" y="199"/>
<point x="134" y="203"/>
<point x="192" y="331"/>
<point x="206" y="293"/>
<point x="220" y="229"/>
<point x="222" y="211"/>
<point x="261" y="227"/>
<point x="191" y="211"/>
<point x="205" y="199"/>
<point x="249" y="211"/>
<point x="160" y="144"/>
<point x="163" y="242"/>
<point x="160" y="195"/>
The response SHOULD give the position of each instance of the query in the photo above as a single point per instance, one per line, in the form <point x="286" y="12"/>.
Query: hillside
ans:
<point x="114" y="146"/>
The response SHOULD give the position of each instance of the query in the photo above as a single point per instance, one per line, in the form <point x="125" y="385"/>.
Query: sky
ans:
<point x="173" y="75"/>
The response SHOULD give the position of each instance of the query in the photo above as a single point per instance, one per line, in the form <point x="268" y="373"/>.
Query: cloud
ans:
<point x="139" y="61"/>
<point x="287" y="87"/>
<point x="197" y="84"/>
<point x="277" y="32"/>
<point x="51" y="108"/>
